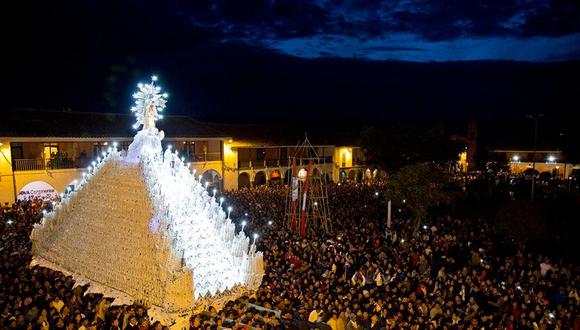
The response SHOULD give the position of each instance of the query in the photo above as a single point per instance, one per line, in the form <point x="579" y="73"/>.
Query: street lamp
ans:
<point x="535" y="118"/>
<point x="221" y="201"/>
<point x="551" y="159"/>
<point x="243" y="224"/>
<point x="229" y="211"/>
<point x="255" y="237"/>
<point x="516" y="158"/>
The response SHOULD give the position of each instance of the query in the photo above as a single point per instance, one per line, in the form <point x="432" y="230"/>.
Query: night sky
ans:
<point x="285" y="61"/>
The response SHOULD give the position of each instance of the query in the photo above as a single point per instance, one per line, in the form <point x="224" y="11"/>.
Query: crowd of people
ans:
<point x="450" y="274"/>
<point x="40" y="298"/>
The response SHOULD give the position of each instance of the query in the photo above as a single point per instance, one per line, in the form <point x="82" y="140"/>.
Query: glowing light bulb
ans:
<point x="221" y="201"/>
<point x="256" y="237"/>
<point x="165" y="95"/>
<point x="154" y="78"/>
<point x="376" y="193"/>
<point x="270" y="222"/>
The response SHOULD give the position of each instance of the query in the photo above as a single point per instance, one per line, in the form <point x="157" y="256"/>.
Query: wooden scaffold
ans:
<point x="307" y="209"/>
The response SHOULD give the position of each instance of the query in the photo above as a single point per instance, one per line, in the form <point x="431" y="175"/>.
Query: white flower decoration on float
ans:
<point x="190" y="234"/>
<point x="149" y="102"/>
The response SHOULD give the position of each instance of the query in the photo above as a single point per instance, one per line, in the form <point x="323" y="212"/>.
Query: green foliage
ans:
<point x="420" y="186"/>
<point x="496" y="165"/>
<point x="392" y="148"/>
<point x="60" y="160"/>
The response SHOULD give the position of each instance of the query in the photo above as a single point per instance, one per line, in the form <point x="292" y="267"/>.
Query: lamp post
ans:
<point x="535" y="117"/>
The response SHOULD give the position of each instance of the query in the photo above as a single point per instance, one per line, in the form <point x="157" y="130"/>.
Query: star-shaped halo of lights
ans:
<point x="149" y="103"/>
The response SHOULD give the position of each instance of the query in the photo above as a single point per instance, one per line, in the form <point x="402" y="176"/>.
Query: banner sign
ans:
<point x="37" y="189"/>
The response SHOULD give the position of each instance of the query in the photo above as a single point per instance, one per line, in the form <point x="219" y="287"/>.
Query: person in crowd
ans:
<point x="450" y="273"/>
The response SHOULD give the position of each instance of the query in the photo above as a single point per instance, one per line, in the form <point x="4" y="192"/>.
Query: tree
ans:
<point x="420" y="187"/>
<point x="496" y="165"/>
<point x="391" y="148"/>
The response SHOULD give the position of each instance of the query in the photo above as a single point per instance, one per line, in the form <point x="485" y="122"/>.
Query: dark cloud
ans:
<point x="432" y="20"/>
<point x="393" y="48"/>
<point x="273" y="23"/>
<point x="309" y="28"/>
<point x="229" y="58"/>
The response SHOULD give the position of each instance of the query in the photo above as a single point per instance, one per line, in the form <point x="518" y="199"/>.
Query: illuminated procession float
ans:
<point x="141" y="227"/>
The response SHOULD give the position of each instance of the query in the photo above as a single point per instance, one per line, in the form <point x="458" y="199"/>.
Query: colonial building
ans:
<point x="45" y="151"/>
<point x="549" y="161"/>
